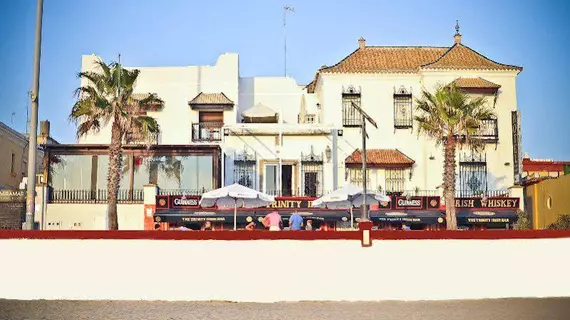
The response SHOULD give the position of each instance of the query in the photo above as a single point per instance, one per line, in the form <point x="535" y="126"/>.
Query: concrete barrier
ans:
<point x="283" y="270"/>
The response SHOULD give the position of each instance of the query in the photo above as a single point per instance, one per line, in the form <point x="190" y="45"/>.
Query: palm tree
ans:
<point x="108" y="98"/>
<point x="452" y="118"/>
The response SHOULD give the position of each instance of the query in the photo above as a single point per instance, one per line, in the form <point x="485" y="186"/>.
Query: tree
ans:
<point x="451" y="118"/>
<point x="524" y="221"/>
<point x="562" y="223"/>
<point x="108" y="98"/>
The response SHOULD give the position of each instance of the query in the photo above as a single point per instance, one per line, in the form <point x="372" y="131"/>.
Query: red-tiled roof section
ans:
<point x="379" y="157"/>
<point x="211" y="98"/>
<point x="475" y="83"/>
<point x="463" y="57"/>
<point x="387" y="59"/>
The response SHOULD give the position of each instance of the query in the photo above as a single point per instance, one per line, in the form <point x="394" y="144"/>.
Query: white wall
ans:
<point x="322" y="270"/>
<point x="76" y="216"/>
<point x="176" y="86"/>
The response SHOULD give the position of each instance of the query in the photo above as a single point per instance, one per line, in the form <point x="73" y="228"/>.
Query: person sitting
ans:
<point x="207" y="226"/>
<point x="250" y="226"/>
<point x="309" y="226"/>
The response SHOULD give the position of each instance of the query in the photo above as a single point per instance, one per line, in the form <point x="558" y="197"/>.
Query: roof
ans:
<point x="211" y="98"/>
<point x="544" y="165"/>
<point x="462" y="57"/>
<point x="380" y="157"/>
<point x="386" y="59"/>
<point x="259" y="111"/>
<point x="469" y="83"/>
<point x="410" y="59"/>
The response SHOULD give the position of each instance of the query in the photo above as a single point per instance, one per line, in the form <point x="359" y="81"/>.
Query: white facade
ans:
<point x="309" y="120"/>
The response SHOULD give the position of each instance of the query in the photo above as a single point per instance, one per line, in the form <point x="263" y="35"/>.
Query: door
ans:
<point x="270" y="183"/>
<point x="310" y="184"/>
<point x="287" y="180"/>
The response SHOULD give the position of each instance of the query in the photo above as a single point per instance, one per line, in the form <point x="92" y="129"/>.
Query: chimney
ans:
<point x="44" y="128"/>
<point x="361" y="43"/>
<point x="457" y="36"/>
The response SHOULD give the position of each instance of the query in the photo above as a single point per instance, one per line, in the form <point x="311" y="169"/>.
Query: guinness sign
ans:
<point x="182" y="202"/>
<point x="413" y="203"/>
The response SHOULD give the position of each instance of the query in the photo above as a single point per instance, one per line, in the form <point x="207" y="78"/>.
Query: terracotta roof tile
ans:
<point x="380" y="157"/>
<point x="211" y="98"/>
<point x="475" y="83"/>
<point x="387" y="59"/>
<point x="463" y="57"/>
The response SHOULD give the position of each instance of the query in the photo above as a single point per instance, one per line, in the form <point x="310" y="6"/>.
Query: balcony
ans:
<point x="488" y="130"/>
<point x="207" y="131"/>
<point x="131" y="138"/>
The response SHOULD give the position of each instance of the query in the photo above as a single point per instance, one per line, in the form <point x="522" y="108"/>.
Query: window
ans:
<point x="403" y="109"/>
<point x="472" y="175"/>
<point x="312" y="174"/>
<point x="271" y="179"/>
<point x="13" y="165"/>
<point x="488" y="130"/>
<point x="395" y="180"/>
<point x="310" y="118"/>
<point x="355" y="177"/>
<point x="244" y="169"/>
<point x="350" y="116"/>
<point x="191" y="173"/>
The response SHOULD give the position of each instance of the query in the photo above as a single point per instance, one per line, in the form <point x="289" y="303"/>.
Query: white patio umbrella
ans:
<point x="349" y="196"/>
<point x="236" y="195"/>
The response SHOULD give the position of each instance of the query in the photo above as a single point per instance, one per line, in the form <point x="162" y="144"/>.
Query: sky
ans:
<point x="532" y="34"/>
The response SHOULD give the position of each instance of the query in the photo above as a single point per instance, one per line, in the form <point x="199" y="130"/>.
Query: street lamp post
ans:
<point x="32" y="144"/>
<point x="365" y="118"/>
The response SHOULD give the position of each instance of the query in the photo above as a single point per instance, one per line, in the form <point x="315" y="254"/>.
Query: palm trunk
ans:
<point x="114" y="176"/>
<point x="449" y="183"/>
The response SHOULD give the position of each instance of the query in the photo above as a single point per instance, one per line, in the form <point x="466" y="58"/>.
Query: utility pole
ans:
<point x="285" y="10"/>
<point x="32" y="145"/>
<point x="365" y="118"/>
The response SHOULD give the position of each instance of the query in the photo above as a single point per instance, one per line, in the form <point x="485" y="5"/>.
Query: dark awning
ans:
<point x="224" y="216"/>
<point x="482" y="216"/>
<point x="318" y="215"/>
<point x="409" y="216"/>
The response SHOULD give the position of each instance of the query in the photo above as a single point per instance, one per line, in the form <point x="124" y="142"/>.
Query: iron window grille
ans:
<point x="403" y="115"/>
<point x="472" y="175"/>
<point x="244" y="169"/>
<point x="355" y="177"/>
<point x="312" y="174"/>
<point x="395" y="180"/>
<point x="350" y="116"/>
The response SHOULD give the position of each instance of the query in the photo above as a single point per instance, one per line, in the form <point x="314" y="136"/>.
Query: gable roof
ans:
<point x="475" y="83"/>
<point x="463" y="57"/>
<point x="211" y="98"/>
<point x="381" y="157"/>
<point x="386" y="59"/>
<point x="410" y="59"/>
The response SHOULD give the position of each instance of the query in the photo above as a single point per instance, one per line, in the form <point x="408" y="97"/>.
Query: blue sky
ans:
<point x="532" y="34"/>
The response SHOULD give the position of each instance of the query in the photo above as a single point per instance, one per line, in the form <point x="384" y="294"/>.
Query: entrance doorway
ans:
<point x="272" y="181"/>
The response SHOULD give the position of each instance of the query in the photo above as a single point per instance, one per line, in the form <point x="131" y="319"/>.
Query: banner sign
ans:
<point x="491" y="203"/>
<point x="411" y="203"/>
<point x="193" y="202"/>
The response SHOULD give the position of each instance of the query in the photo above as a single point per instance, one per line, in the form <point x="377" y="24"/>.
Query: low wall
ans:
<point x="89" y="216"/>
<point x="281" y="270"/>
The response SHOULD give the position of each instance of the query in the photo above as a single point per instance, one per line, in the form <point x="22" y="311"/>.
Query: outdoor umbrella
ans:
<point x="347" y="197"/>
<point x="236" y="195"/>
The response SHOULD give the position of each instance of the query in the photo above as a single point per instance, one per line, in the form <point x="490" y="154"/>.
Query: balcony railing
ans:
<point x="131" y="138"/>
<point x="94" y="196"/>
<point x="180" y="192"/>
<point x="207" y="131"/>
<point x="478" y="193"/>
<point x="488" y="130"/>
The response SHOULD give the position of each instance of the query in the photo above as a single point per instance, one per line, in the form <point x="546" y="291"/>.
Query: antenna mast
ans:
<point x="285" y="10"/>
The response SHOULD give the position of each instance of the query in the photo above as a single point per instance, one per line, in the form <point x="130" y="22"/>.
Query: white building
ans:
<point x="210" y="106"/>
